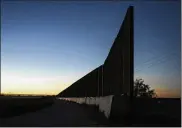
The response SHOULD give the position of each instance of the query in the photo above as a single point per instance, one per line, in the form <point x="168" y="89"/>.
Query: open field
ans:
<point x="157" y="112"/>
<point x="17" y="105"/>
<point x="60" y="113"/>
<point x="49" y="111"/>
<point x="150" y="112"/>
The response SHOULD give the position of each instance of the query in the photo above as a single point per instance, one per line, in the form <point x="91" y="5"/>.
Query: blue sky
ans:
<point x="65" y="40"/>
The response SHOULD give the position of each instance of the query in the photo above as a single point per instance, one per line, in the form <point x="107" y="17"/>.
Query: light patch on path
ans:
<point x="104" y="103"/>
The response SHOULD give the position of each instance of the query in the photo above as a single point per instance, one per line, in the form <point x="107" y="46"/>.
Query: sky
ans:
<point x="48" y="45"/>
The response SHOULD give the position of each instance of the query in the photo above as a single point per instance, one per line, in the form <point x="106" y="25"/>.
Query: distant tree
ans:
<point x="143" y="90"/>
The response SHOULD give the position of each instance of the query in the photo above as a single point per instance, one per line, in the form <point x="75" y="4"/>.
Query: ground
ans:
<point x="50" y="111"/>
<point x="59" y="113"/>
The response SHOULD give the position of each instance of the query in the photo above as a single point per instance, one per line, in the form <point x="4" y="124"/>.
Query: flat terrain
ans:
<point x="152" y="112"/>
<point x="157" y="112"/>
<point x="17" y="105"/>
<point x="49" y="112"/>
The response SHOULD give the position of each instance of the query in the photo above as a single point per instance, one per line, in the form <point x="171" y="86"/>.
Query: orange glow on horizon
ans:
<point x="161" y="92"/>
<point x="168" y="93"/>
<point x="26" y="84"/>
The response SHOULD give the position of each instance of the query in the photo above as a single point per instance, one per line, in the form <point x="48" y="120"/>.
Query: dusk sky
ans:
<point x="46" y="46"/>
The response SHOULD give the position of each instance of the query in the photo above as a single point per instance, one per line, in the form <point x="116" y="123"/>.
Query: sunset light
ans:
<point x="44" y="53"/>
<point x="26" y="84"/>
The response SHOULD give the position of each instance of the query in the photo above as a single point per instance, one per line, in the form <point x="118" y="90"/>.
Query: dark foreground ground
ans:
<point x="156" y="112"/>
<point x="16" y="105"/>
<point x="49" y="111"/>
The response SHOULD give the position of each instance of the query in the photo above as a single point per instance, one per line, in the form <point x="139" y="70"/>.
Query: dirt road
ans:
<point x="61" y="113"/>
